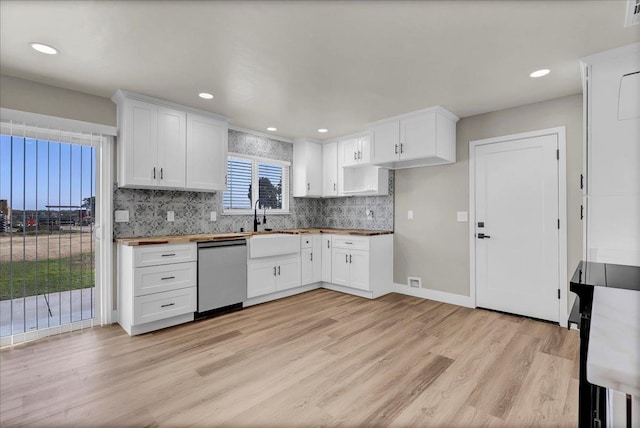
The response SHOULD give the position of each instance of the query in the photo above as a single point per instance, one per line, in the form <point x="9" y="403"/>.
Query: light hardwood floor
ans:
<point x="321" y="358"/>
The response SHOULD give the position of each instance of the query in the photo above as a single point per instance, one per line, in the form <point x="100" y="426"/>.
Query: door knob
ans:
<point x="483" y="236"/>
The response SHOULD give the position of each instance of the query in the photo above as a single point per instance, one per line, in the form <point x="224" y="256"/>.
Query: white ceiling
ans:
<point x="300" y="66"/>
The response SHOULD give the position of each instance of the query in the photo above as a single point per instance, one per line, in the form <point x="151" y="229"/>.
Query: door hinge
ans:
<point x="558" y="154"/>
<point x="581" y="181"/>
<point x="558" y="293"/>
<point x="558" y="223"/>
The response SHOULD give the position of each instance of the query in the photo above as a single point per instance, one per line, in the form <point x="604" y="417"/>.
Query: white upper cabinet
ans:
<point x="426" y="137"/>
<point x="206" y="153"/>
<point x="171" y="142"/>
<point x="330" y="176"/>
<point x="167" y="146"/>
<point x="356" y="151"/>
<point x="307" y="169"/>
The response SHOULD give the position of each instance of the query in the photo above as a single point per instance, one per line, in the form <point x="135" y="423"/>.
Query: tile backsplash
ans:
<point x="148" y="208"/>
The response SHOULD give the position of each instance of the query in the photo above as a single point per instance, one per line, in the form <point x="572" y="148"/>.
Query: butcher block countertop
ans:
<point x="178" y="239"/>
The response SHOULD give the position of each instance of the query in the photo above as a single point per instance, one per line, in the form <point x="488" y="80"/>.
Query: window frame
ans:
<point x="255" y="161"/>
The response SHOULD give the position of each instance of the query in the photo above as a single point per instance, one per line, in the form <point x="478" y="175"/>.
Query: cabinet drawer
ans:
<point x="156" y="279"/>
<point x="351" y="242"/>
<point x="306" y="241"/>
<point x="154" y="307"/>
<point x="154" y="255"/>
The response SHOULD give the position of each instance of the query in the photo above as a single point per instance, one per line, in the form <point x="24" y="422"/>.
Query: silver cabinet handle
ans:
<point x="167" y="277"/>
<point x="346" y="258"/>
<point x="167" y="305"/>
<point x="401" y="148"/>
<point x="359" y="154"/>
<point x="274" y="271"/>
<point x="168" y="255"/>
<point x="349" y="243"/>
<point x="328" y="243"/>
<point x="334" y="186"/>
<point x="308" y="186"/>
<point x="311" y="256"/>
<point x="278" y="270"/>
<point x="349" y="258"/>
<point x="396" y="149"/>
<point x="154" y="172"/>
<point x="161" y="173"/>
<point x="355" y="155"/>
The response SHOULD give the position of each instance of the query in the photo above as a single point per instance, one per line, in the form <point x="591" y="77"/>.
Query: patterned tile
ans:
<point x="147" y="208"/>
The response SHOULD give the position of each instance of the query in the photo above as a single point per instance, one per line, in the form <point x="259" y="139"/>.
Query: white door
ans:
<point x="261" y="278"/>
<point x="516" y="198"/>
<point x="306" y="265"/>
<point x="330" y="169"/>
<point x="349" y="150"/>
<point x="206" y="153"/>
<point x="359" y="269"/>
<point x="326" y="258"/>
<point x="172" y="136"/>
<point x="288" y="274"/>
<point x="141" y="125"/>
<point x="416" y="136"/>
<point x="340" y="266"/>
<point x="386" y="142"/>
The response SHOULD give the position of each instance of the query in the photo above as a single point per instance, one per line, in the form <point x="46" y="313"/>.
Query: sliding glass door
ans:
<point x="47" y="220"/>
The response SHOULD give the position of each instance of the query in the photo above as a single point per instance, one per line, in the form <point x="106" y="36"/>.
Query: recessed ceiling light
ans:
<point x="540" y="73"/>
<point x="205" y="95"/>
<point x="45" y="49"/>
<point x="272" y="129"/>
<point x="322" y="130"/>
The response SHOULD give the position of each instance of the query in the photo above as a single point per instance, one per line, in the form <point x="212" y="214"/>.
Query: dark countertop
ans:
<point x="592" y="274"/>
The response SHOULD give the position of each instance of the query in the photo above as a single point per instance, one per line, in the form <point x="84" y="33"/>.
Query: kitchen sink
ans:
<point x="273" y="244"/>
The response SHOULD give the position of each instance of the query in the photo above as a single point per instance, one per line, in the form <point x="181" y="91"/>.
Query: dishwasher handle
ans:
<point x="215" y="244"/>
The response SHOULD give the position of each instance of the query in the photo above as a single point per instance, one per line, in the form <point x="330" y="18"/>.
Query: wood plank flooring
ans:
<point x="321" y="358"/>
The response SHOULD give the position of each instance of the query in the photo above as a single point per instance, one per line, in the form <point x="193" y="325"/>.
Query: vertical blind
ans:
<point x="47" y="245"/>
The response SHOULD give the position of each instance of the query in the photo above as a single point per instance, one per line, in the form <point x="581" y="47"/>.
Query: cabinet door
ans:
<point x="140" y="141"/>
<point x="307" y="169"/>
<point x="359" y="269"/>
<point x="330" y="169"/>
<point x="261" y="278"/>
<point x="385" y="142"/>
<point x="314" y="169"/>
<point x="326" y="258"/>
<point x="417" y="136"/>
<point x="288" y="273"/>
<point x="349" y="149"/>
<point x="206" y="153"/>
<point x="364" y="153"/>
<point x="172" y="140"/>
<point x="316" y="257"/>
<point x="306" y="265"/>
<point x="340" y="266"/>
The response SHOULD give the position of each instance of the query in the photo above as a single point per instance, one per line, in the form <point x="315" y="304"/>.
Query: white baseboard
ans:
<point x="348" y="290"/>
<point x="438" y="296"/>
<point x="280" y="294"/>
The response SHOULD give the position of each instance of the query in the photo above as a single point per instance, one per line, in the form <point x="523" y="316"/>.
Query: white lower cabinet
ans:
<point x="360" y="263"/>
<point x="271" y="274"/>
<point x="311" y="259"/>
<point x="157" y="286"/>
<point x="350" y="268"/>
<point x="327" y="262"/>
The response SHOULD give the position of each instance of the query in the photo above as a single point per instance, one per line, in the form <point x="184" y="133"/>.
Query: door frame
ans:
<point x="560" y="133"/>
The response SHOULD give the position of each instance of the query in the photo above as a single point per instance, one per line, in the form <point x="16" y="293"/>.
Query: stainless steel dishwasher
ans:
<point x="222" y="276"/>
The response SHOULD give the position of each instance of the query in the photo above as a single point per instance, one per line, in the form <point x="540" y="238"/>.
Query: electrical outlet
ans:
<point x="369" y="214"/>
<point x="213" y="216"/>
<point x="462" y="216"/>
<point x="121" y="216"/>
<point x="410" y="215"/>
<point x="171" y="216"/>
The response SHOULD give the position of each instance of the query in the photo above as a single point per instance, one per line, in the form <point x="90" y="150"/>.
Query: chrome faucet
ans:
<point x="256" y="222"/>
